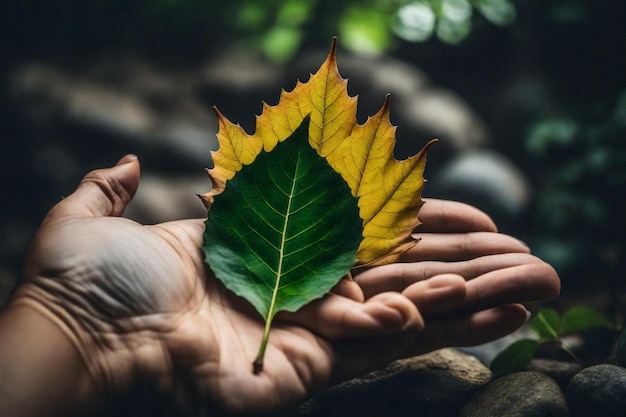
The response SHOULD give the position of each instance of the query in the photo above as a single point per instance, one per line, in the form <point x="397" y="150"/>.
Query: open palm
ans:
<point x="147" y="314"/>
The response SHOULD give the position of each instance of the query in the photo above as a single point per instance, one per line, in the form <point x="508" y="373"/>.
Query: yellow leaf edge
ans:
<point x="383" y="242"/>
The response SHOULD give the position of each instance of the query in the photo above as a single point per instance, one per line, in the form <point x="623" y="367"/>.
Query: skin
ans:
<point x="113" y="315"/>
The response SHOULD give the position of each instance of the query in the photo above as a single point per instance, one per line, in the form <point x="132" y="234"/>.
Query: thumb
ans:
<point x="102" y="192"/>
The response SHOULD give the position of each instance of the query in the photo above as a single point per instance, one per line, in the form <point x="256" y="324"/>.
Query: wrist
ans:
<point x="42" y="372"/>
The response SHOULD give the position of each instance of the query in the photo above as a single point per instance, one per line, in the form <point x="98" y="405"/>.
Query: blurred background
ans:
<point x="527" y="98"/>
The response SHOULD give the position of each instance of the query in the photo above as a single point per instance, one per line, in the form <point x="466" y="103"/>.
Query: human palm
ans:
<point x="143" y="302"/>
<point x="145" y="311"/>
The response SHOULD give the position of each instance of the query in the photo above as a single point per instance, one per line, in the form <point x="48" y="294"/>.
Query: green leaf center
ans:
<point x="285" y="229"/>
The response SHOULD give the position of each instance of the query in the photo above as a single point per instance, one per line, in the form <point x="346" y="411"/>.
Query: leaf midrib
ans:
<point x="258" y="362"/>
<point x="283" y="241"/>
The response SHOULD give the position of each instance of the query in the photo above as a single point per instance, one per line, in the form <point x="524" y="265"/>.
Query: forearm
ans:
<point x="41" y="373"/>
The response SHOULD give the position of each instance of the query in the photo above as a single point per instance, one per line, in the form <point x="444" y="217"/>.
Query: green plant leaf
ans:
<point x="580" y="318"/>
<point x="546" y="324"/>
<point x="284" y="231"/>
<point x="515" y="357"/>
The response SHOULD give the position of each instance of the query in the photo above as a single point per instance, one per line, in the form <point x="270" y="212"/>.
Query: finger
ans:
<point x="517" y="284"/>
<point x="337" y="317"/>
<point x="355" y="357"/>
<point x="103" y="192"/>
<point x="399" y="276"/>
<point x="461" y="246"/>
<point x="446" y="216"/>
<point x="438" y="295"/>
<point x="528" y="282"/>
<point x="347" y="287"/>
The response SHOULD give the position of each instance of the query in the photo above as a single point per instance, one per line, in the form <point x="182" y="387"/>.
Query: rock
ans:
<point x="521" y="394"/>
<point x="598" y="390"/>
<point x="130" y="101"/>
<point x="561" y="371"/>
<point x="486" y="179"/>
<point x="486" y="352"/>
<point x="435" y="384"/>
<point x="164" y="198"/>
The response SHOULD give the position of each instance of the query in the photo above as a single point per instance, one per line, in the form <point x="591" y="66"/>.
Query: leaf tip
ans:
<point x="217" y="187"/>
<point x="422" y="153"/>
<point x="331" y="59"/>
<point x="386" y="106"/>
<point x="221" y="119"/>
<point x="206" y="199"/>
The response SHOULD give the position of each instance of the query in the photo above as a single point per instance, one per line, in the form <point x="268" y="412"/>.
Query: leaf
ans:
<point x="286" y="231"/>
<point x="581" y="318"/>
<point x="515" y="357"/>
<point x="388" y="191"/>
<point x="546" y="324"/>
<point x="385" y="193"/>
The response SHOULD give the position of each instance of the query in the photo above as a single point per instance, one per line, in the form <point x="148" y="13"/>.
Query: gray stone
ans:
<point x="598" y="390"/>
<point x="435" y="384"/>
<point x="561" y="371"/>
<point x="160" y="198"/>
<point x="486" y="179"/>
<point x="522" y="394"/>
<point x="145" y="105"/>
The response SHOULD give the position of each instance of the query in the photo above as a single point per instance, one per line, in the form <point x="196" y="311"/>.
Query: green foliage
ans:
<point x="515" y="357"/>
<point x="580" y="318"/>
<point x="284" y="231"/>
<point x="449" y="20"/>
<point x="546" y="324"/>
<point x="549" y="327"/>
<point x="280" y="27"/>
<point x="285" y="35"/>
<point x="365" y="30"/>
<point x="579" y="217"/>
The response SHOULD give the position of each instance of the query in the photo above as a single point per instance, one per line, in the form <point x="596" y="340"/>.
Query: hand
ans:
<point x="145" y="314"/>
<point x="466" y="279"/>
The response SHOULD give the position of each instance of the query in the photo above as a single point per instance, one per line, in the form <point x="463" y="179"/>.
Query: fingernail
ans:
<point x="127" y="159"/>
<point x="528" y="315"/>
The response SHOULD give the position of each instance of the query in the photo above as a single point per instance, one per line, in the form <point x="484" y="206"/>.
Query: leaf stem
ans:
<point x="547" y="325"/>
<point x="257" y="365"/>
<point x="569" y="352"/>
